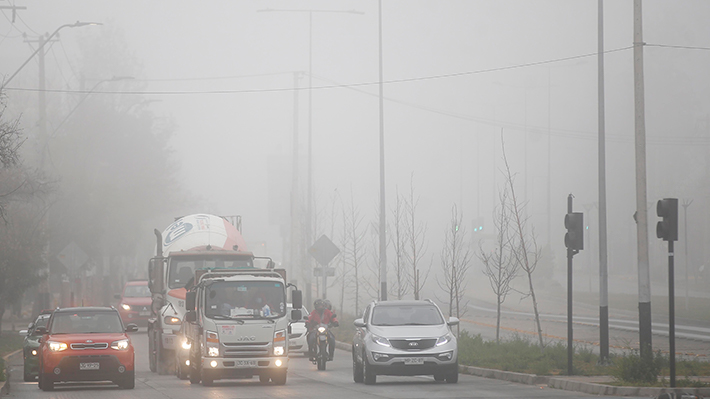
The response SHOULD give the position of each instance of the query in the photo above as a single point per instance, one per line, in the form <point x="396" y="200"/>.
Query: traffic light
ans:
<point x="574" y="223"/>
<point x="667" y="229"/>
<point x="478" y="225"/>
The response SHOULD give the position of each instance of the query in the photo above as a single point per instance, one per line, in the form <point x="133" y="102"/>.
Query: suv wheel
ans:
<point x="369" y="375"/>
<point x="452" y="378"/>
<point x="439" y="377"/>
<point x="358" y="372"/>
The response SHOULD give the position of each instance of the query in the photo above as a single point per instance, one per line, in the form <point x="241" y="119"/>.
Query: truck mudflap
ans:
<point x="236" y="366"/>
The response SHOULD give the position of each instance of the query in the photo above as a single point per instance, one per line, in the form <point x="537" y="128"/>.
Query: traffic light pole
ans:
<point x="671" y="310"/>
<point x="570" y="254"/>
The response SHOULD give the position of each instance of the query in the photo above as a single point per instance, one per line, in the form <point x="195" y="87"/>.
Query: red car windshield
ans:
<point x="86" y="322"/>
<point x="136" y="291"/>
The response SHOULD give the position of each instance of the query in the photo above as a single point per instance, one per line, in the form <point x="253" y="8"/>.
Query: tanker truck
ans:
<point x="194" y="242"/>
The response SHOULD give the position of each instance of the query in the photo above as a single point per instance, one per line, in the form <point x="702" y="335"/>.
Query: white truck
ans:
<point x="237" y="325"/>
<point x="199" y="241"/>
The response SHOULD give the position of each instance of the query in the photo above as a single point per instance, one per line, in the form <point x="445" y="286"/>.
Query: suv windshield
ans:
<point x="245" y="299"/>
<point x="182" y="270"/>
<point x="403" y="315"/>
<point x="86" y="322"/>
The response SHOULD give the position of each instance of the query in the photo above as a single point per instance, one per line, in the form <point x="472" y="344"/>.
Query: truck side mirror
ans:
<point x="190" y="297"/>
<point x="155" y="275"/>
<point x="296" y="314"/>
<point x="191" y="316"/>
<point x="297" y="299"/>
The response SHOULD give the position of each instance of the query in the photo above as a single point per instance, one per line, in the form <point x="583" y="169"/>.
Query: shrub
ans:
<point x="633" y="368"/>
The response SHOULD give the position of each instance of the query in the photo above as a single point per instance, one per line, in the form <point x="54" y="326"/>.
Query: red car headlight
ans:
<point x="56" y="346"/>
<point x="120" y="345"/>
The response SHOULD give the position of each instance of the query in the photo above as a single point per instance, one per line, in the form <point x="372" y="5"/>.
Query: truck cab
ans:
<point x="237" y="325"/>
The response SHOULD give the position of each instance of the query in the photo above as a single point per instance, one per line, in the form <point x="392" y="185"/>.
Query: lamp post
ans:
<point x="76" y="24"/>
<point x="309" y="215"/>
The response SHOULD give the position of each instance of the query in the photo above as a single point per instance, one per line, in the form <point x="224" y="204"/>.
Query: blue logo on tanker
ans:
<point x="177" y="230"/>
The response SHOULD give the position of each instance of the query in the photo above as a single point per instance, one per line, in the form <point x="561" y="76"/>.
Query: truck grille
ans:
<point x="413" y="344"/>
<point x="243" y="349"/>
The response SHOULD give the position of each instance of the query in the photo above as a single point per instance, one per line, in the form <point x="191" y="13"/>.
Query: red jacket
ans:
<point x="315" y="318"/>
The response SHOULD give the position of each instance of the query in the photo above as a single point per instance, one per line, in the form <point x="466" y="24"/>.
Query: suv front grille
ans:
<point x="413" y="344"/>
<point x="81" y="346"/>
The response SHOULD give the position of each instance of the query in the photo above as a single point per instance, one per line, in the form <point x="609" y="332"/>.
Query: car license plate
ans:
<point x="144" y="313"/>
<point x="413" y="360"/>
<point x="245" y="363"/>
<point x="89" y="366"/>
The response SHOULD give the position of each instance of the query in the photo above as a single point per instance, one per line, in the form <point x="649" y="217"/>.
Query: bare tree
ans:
<point x="500" y="264"/>
<point x="10" y="142"/>
<point x="353" y="248"/>
<point x="455" y="262"/>
<point x="402" y="275"/>
<point x="527" y="253"/>
<point x="415" y="238"/>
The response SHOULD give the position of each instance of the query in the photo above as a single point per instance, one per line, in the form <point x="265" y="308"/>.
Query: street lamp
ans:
<point x="76" y="24"/>
<point x="310" y="119"/>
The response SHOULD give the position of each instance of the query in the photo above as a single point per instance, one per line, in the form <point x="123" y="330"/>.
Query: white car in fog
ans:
<point x="297" y="342"/>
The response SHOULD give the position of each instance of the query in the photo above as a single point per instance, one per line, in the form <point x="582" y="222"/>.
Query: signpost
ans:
<point x="323" y="251"/>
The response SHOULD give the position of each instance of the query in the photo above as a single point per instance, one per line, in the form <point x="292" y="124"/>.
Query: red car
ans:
<point x="86" y="344"/>
<point x="135" y="303"/>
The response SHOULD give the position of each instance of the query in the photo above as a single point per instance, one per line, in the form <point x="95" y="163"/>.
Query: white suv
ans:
<point x="404" y="338"/>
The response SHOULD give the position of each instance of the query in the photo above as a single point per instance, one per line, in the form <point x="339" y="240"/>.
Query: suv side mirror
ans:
<point x="131" y="328"/>
<point x="359" y="323"/>
<point x="453" y="321"/>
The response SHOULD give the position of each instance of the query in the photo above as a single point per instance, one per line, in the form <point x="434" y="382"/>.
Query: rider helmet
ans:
<point x="319" y="304"/>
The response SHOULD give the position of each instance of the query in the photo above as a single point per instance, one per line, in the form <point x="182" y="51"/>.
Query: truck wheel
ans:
<point x="195" y="370"/>
<point x="207" y="378"/>
<point x="279" y="377"/>
<point x="183" y="372"/>
<point x="165" y="361"/>
<point x="152" y="351"/>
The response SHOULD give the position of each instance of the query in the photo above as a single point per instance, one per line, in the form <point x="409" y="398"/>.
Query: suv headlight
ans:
<point x="381" y="340"/>
<point x="444" y="339"/>
<point x="120" y="345"/>
<point x="126" y="306"/>
<point x="56" y="346"/>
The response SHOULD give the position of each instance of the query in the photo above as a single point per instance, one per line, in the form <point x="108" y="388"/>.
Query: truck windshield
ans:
<point x="182" y="270"/>
<point x="245" y="299"/>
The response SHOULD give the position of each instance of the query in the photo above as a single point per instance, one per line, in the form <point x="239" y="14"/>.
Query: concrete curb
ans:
<point x="565" y="383"/>
<point x="5" y="385"/>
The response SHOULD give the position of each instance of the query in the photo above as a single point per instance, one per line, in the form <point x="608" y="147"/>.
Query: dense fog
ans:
<point x="171" y="108"/>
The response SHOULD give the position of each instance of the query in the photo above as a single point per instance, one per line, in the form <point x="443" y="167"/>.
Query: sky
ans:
<point x="460" y="78"/>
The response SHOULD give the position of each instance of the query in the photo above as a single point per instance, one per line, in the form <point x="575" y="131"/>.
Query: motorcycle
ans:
<point x="321" y="346"/>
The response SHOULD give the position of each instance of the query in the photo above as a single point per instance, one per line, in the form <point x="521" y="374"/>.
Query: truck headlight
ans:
<point x="278" y="350"/>
<point x="212" y="351"/>
<point x="120" y="345"/>
<point x="56" y="346"/>
<point x="172" y="320"/>
<point x="186" y="345"/>
<point x="126" y="306"/>
<point x="279" y="343"/>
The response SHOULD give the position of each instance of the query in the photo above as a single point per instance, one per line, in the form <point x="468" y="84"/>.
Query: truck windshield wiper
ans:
<point x="223" y="317"/>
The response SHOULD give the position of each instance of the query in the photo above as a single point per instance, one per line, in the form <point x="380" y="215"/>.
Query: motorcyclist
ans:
<point x="320" y="315"/>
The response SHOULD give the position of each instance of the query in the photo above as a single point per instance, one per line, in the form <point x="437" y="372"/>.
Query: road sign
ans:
<point x="329" y="271"/>
<point x="72" y="257"/>
<point x="323" y="250"/>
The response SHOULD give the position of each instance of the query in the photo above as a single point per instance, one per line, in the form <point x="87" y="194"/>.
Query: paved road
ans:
<point x="304" y="381"/>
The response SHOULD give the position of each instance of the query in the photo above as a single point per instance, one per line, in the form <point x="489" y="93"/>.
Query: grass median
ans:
<point x="10" y="341"/>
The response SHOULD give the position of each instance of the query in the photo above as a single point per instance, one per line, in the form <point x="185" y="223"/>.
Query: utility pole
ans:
<point x="296" y="246"/>
<point x="644" y="273"/>
<point x="383" y="238"/>
<point x="603" y="272"/>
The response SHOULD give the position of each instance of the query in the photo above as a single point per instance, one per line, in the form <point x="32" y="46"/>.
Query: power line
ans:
<point x="677" y="47"/>
<point x="339" y="86"/>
